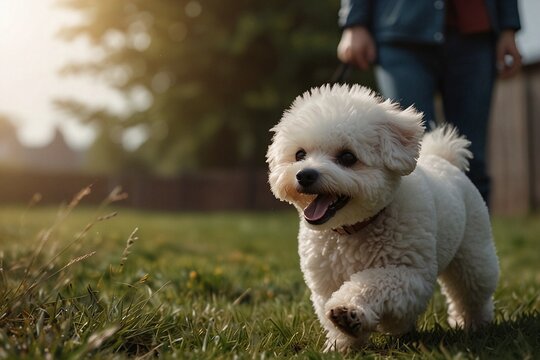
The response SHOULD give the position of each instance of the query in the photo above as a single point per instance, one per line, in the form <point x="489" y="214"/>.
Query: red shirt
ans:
<point x="468" y="16"/>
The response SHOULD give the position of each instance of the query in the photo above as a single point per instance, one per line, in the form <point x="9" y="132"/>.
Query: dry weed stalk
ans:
<point x="115" y="195"/>
<point x="71" y="262"/>
<point x="43" y="238"/>
<point x="127" y="250"/>
<point x="26" y="285"/>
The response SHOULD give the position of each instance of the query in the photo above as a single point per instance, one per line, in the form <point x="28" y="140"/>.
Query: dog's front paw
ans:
<point x="347" y="319"/>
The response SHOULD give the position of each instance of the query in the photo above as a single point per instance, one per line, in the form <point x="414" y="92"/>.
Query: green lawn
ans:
<point x="220" y="285"/>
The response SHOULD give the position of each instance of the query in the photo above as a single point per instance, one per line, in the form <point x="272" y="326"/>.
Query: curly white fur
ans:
<point x="429" y="221"/>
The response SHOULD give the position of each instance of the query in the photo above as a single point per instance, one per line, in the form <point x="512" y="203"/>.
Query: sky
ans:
<point x="31" y="55"/>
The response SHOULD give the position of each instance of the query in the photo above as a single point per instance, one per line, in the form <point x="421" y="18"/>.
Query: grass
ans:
<point x="84" y="283"/>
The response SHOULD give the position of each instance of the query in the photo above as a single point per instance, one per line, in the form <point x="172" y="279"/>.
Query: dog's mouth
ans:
<point x="324" y="207"/>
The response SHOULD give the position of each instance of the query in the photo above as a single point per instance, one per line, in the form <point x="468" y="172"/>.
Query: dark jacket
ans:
<point x="421" y="21"/>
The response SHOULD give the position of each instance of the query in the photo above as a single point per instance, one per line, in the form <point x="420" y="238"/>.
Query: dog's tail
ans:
<point x="445" y="141"/>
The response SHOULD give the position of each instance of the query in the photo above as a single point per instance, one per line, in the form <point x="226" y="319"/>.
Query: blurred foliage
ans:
<point x="208" y="79"/>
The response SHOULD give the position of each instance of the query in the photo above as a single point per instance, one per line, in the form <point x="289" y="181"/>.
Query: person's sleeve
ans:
<point x="508" y="15"/>
<point x="354" y="12"/>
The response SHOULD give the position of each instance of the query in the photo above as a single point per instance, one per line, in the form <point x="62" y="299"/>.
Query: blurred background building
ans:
<point x="174" y="99"/>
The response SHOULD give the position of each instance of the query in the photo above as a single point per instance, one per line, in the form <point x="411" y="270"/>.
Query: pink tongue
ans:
<point x="318" y="207"/>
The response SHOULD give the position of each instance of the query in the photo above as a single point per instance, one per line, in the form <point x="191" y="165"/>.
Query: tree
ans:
<point x="209" y="78"/>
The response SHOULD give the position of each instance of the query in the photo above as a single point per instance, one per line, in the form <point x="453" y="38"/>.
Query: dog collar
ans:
<point x="354" y="228"/>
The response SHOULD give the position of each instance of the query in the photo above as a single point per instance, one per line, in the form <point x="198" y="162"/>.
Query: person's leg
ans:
<point x="467" y="86"/>
<point x="407" y="74"/>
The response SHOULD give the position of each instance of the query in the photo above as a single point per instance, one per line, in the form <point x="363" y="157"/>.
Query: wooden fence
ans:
<point x="514" y="165"/>
<point x="515" y="143"/>
<point x="219" y="190"/>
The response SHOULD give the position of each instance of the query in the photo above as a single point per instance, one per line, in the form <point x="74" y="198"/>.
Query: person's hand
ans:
<point x="357" y="47"/>
<point x="508" y="56"/>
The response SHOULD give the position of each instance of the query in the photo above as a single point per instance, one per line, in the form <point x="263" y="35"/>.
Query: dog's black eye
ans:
<point x="300" y="155"/>
<point x="346" y="158"/>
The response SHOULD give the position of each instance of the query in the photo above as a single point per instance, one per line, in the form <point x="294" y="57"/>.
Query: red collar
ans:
<point x="354" y="228"/>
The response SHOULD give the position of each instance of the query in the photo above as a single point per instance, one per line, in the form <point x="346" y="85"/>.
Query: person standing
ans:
<point x="421" y="48"/>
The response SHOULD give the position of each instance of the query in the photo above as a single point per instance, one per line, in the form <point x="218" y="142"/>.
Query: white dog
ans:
<point x="381" y="219"/>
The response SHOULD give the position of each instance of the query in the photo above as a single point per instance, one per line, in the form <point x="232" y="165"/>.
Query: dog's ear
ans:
<point x="400" y="137"/>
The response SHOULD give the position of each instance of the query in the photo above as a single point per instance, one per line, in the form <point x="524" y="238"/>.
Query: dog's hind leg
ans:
<point x="470" y="279"/>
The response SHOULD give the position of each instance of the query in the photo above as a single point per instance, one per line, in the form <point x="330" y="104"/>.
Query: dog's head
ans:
<point x="339" y="152"/>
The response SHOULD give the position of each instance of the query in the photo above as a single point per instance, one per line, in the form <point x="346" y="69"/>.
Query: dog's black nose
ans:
<point x="307" y="177"/>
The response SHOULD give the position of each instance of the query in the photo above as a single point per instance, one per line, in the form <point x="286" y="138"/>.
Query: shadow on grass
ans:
<point x="510" y="339"/>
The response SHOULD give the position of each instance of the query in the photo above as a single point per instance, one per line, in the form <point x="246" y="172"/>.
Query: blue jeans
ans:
<point x="462" y="70"/>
